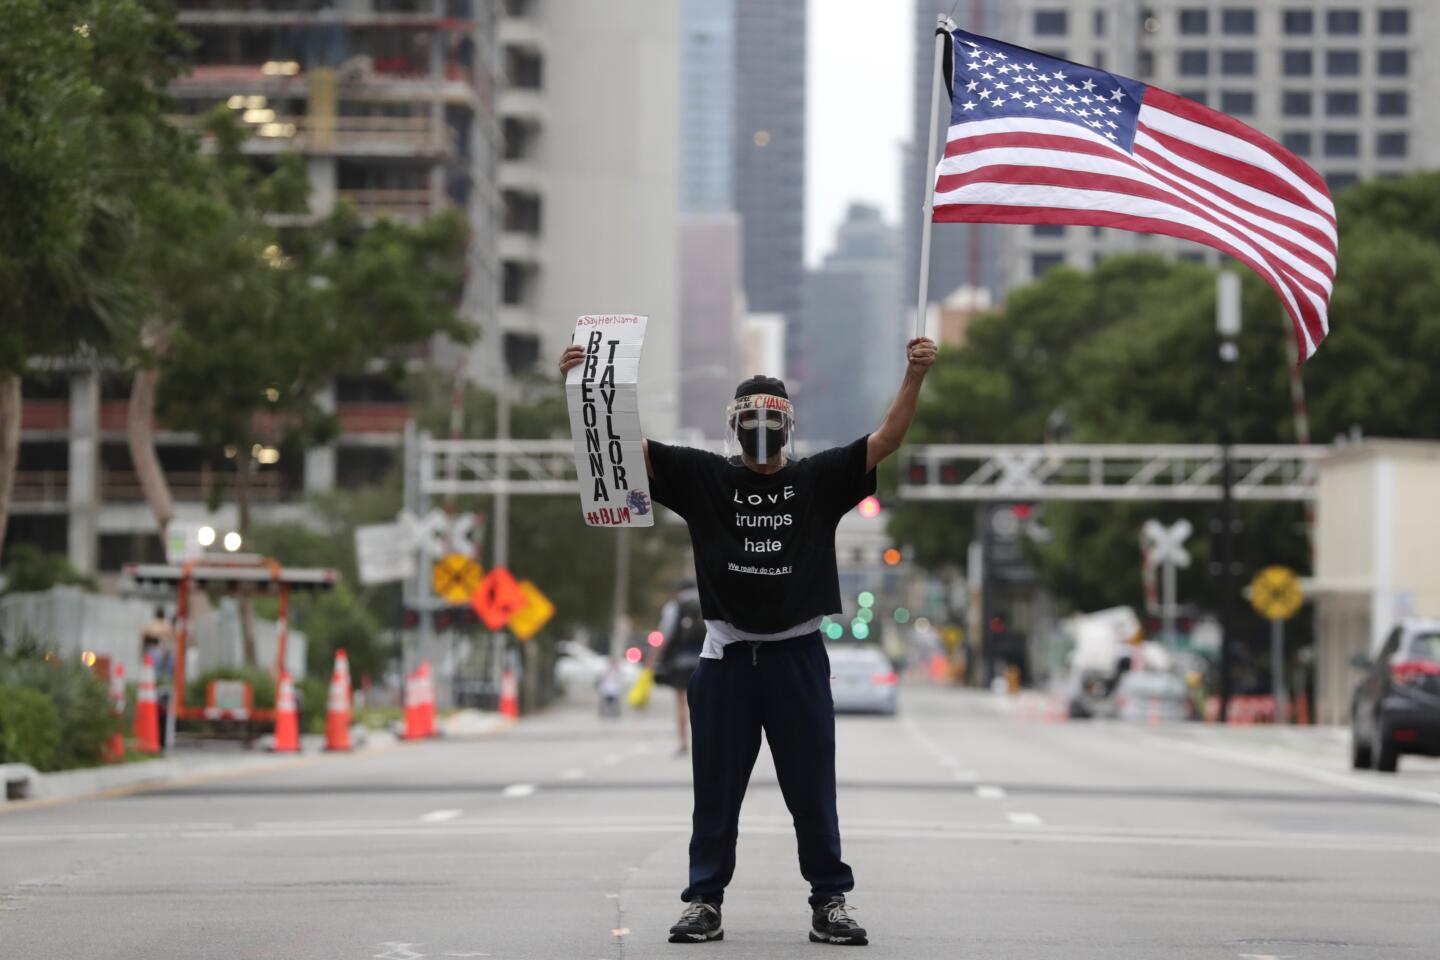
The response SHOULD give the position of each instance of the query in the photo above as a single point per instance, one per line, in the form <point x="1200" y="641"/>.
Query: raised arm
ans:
<point x="919" y="355"/>
<point x="572" y="357"/>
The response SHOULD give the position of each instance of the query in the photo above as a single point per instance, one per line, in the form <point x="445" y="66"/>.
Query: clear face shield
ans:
<point x="760" y="426"/>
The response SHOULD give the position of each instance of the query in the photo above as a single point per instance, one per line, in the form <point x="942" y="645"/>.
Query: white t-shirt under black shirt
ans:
<point x="764" y="543"/>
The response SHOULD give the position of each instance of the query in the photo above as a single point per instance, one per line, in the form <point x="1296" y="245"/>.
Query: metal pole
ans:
<point x="620" y="626"/>
<point x="500" y="555"/>
<point x="1227" y="322"/>
<point x="1277" y="670"/>
<point x="942" y="29"/>
<point x="1167" y="611"/>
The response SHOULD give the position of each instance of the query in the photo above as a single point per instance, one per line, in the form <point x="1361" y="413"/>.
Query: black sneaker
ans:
<point x="698" y="924"/>
<point x="831" y="923"/>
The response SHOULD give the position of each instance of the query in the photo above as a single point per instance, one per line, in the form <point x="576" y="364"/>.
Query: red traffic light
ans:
<point x="869" y="507"/>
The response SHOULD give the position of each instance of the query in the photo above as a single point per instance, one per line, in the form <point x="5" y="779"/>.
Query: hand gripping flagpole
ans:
<point x="943" y="26"/>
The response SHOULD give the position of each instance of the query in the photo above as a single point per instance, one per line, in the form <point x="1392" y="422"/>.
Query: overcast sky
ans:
<point x="858" y="103"/>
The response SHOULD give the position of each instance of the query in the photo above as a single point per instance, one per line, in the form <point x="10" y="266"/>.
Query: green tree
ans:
<point x="28" y="569"/>
<point x="81" y="126"/>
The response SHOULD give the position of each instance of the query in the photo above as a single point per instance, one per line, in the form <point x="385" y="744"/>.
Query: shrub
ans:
<point x="79" y="699"/>
<point x="262" y="685"/>
<point x="29" y="728"/>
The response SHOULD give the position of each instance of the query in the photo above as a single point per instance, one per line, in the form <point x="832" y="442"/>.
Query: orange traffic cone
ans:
<point x="414" y="711"/>
<point x="427" y="701"/>
<point x="337" y="707"/>
<point x="147" y="712"/>
<point x="509" y="696"/>
<point x="115" y="751"/>
<point x="287" y="718"/>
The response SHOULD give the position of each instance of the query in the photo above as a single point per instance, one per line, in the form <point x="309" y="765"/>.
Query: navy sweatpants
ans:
<point x="782" y="687"/>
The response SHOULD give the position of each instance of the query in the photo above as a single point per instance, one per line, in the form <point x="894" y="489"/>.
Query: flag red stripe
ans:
<point x="999" y="213"/>
<point x="1198" y="113"/>
<point x="1239" y="170"/>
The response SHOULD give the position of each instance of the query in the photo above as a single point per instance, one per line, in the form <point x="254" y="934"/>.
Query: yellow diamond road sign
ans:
<point x="455" y="577"/>
<point x="1275" y="593"/>
<point x="538" y="610"/>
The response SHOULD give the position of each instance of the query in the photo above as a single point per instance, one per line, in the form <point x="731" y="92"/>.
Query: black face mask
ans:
<point x="750" y="442"/>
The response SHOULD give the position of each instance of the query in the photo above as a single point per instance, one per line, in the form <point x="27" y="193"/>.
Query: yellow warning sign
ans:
<point x="1275" y="593"/>
<point x="538" y="610"/>
<point x="455" y="577"/>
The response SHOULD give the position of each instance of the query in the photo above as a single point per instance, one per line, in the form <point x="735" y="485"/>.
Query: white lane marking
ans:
<point x="1024" y="819"/>
<point x="399" y="951"/>
<point x="574" y="773"/>
<point x="990" y="793"/>
<point x="440" y="816"/>
<point x="518" y="790"/>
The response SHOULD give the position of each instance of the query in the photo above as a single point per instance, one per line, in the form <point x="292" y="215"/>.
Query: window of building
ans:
<point x="1048" y="230"/>
<point x="1199" y="96"/>
<point x="1395" y="143"/>
<point x="1237" y="63"/>
<point x="114" y="550"/>
<point x="522" y="212"/>
<point x="518" y="136"/>
<point x="1099" y="23"/>
<point x="1098" y="60"/>
<point x="1394" y="21"/>
<point x="1299" y="22"/>
<point x="1392" y="103"/>
<point x="1342" y="103"/>
<point x="1194" y="21"/>
<point x="1295" y="103"/>
<point x="1342" y="144"/>
<point x="1194" y="63"/>
<point x="524" y="69"/>
<point x="1393" y="63"/>
<point x="1237" y="103"/>
<point x="1145" y="63"/>
<point x="1339" y="181"/>
<point x="1298" y="63"/>
<point x="1052" y="23"/>
<point x="1342" y="63"/>
<point x="515" y="283"/>
<point x="1342" y="22"/>
<point x="1237" y="20"/>
<point x="1040" y="263"/>
<point x="1297" y="142"/>
<point x="361" y="466"/>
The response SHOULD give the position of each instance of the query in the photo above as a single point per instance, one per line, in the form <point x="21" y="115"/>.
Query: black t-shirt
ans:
<point x="764" y="543"/>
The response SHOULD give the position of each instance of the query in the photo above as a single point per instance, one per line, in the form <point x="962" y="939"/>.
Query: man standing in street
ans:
<point x="762" y="525"/>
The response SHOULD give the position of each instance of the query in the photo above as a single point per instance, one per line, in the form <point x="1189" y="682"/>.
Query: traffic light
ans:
<point x="869" y="508"/>
<point x="891" y="557"/>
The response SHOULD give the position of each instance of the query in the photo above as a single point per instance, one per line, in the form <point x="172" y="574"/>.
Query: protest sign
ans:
<point x="605" y="422"/>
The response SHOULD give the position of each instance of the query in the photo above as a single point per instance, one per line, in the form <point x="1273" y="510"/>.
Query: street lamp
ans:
<point x="1227" y="325"/>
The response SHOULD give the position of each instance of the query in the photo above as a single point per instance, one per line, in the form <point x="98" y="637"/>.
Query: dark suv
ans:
<point x="1397" y="706"/>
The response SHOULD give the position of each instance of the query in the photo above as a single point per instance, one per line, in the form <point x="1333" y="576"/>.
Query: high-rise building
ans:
<point x="707" y="106"/>
<point x="853" y="331"/>
<point x="589" y="179"/>
<point x="769" y="150"/>
<point x="712" y="315"/>
<point x="1346" y="85"/>
<point x="389" y="102"/>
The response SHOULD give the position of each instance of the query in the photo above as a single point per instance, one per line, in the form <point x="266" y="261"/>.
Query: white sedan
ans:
<point x="862" y="679"/>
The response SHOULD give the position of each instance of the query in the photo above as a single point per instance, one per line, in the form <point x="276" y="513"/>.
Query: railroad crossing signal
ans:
<point x="1167" y="544"/>
<point x="455" y="577"/>
<point x="1275" y="593"/>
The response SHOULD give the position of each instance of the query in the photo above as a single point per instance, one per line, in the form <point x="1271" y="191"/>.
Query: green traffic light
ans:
<point x="865" y="614"/>
<point x="860" y="629"/>
<point x="902" y="615"/>
<point x="834" y="631"/>
<point x="866" y="598"/>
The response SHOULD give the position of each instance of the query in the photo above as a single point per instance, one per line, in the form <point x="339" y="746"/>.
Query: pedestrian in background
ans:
<point x="683" y="628"/>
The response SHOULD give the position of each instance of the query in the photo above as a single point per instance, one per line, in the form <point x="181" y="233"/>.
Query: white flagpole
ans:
<point x="943" y="26"/>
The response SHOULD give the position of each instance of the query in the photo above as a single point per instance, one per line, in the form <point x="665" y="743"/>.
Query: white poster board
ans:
<point x="603" y="396"/>
<point x="384" y="553"/>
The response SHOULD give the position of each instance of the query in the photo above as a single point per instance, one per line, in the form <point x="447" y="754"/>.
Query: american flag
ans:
<point x="1036" y="139"/>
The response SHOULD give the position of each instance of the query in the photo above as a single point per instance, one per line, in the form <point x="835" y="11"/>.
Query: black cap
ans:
<point x="769" y="386"/>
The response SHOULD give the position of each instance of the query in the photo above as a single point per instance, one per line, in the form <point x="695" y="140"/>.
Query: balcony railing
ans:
<point x="41" y="486"/>
<point x="401" y="204"/>
<point x="123" y="486"/>
<point x="375" y="136"/>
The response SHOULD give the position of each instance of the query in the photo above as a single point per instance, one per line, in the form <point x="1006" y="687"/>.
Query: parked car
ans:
<point x="578" y="668"/>
<point x="1152" y="696"/>
<point x="864" y="679"/>
<point x="1396" y="708"/>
